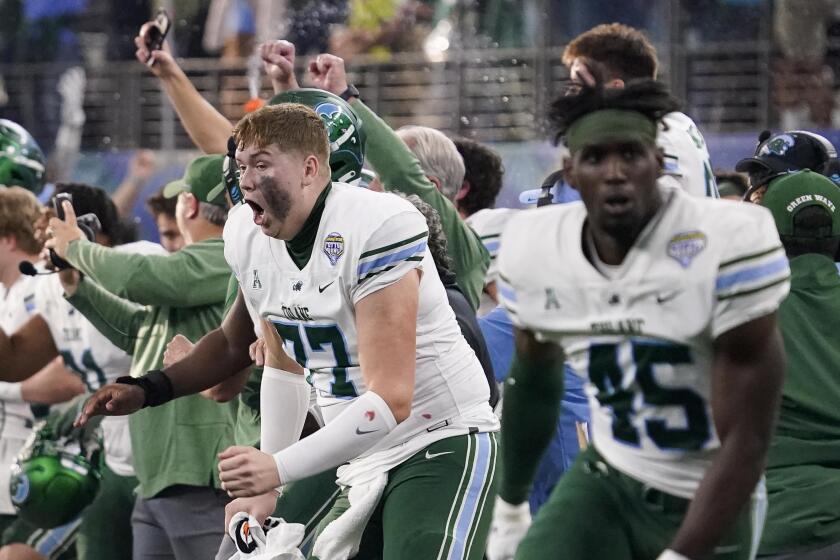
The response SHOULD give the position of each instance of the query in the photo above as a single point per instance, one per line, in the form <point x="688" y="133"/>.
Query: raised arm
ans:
<point x="399" y="170"/>
<point x="748" y="368"/>
<point x="207" y="127"/>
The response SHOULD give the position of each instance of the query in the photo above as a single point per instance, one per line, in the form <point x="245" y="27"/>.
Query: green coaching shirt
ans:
<point x="803" y="466"/>
<point x="182" y="293"/>
<point x="399" y="170"/>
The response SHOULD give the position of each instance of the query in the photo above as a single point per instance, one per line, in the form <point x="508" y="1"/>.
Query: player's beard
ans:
<point x="278" y="202"/>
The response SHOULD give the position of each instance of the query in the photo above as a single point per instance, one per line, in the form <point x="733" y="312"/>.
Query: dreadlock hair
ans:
<point x="648" y="97"/>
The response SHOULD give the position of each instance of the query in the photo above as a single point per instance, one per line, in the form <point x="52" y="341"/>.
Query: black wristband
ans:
<point x="351" y="91"/>
<point x="155" y="384"/>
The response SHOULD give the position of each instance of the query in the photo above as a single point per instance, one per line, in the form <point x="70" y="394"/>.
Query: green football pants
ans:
<point x="105" y="532"/>
<point x="597" y="512"/>
<point x="436" y="505"/>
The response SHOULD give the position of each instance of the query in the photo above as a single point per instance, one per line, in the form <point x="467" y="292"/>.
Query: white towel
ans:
<point x="341" y="538"/>
<point x="275" y="540"/>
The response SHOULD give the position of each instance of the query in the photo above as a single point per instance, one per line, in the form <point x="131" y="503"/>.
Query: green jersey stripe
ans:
<point x="367" y="254"/>
<point x="491" y="236"/>
<point x="754" y="290"/>
<point x="749" y="257"/>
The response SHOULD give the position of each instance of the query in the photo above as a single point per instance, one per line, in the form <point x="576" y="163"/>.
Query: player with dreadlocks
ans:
<point x="666" y="305"/>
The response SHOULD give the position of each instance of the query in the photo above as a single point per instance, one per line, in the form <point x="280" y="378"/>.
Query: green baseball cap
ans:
<point x="788" y="194"/>
<point x="203" y="179"/>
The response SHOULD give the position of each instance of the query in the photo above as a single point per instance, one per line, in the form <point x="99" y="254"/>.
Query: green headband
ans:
<point x="610" y="124"/>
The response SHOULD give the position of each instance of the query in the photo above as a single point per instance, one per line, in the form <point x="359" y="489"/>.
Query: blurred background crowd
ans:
<point x="482" y="69"/>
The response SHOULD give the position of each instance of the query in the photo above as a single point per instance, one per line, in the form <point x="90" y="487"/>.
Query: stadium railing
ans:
<point x="495" y="95"/>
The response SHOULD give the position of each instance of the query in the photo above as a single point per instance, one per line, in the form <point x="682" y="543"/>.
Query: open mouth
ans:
<point x="617" y="203"/>
<point x="259" y="212"/>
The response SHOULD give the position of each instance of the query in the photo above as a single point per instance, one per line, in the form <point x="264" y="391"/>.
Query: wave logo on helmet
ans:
<point x="778" y="145"/>
<point x="20" y="489"/>
<point x="340" y="128"/>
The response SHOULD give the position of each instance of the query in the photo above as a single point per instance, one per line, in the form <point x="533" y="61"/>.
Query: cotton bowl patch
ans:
<point x="334" y="247"/>
<point x="683" y="247"/>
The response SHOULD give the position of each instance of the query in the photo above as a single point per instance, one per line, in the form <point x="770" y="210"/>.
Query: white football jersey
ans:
<point x="489" y="225"/>
<point x="687" y="162"/>
<point x="643" y="338"/>
<point x="93" y="357"/>
<point x="16" y="307"/>
<point x="365" y="242"/>
<point x="85" y="350"/>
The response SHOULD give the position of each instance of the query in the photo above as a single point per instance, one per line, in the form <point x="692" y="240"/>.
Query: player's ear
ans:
<point x="311" y="168"/>
<point x="190" y="205"/>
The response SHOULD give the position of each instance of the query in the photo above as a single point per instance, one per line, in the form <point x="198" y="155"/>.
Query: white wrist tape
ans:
<point x="669" y="554"/>
<point x="11" y="392"/>
<point x="363" y="424"/>
<point x="284" y="400"/>
<point x="510" y="512"/>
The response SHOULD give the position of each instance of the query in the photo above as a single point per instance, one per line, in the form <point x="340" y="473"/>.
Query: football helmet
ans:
<point x="347" y="137"/>
<point x="22" y="163"/>
<point x="54" y="479"/>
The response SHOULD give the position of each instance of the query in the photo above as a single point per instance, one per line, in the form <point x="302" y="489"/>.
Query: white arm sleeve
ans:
<point x="362" y="425"/>
<point x="11" y="392"/>
<point x="284" y="400"/>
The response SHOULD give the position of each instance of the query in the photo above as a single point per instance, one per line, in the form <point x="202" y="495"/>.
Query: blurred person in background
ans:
<point x="163" y="210"/>
<point x="141" y="168"/>
<point x="381" y="28"/>
<point x="19" y="210"/>
<point x="803" y="83"/>
<point x="475" y="201"/>
<point x="55" y="331"/>
<point x="731" y="184"/>
<point x="616" y="54"/>
<point x="785" y="152"/>
<point x="803" y="465"/>
<point x="140" y="302"/>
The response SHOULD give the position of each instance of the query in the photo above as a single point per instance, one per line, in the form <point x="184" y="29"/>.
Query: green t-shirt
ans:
<point x="803" y="465"/>
<point x="182" y="293"/>
<point x="399" y="170"/>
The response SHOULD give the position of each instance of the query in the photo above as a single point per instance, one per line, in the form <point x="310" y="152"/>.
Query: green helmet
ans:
<point x="52" y="482"/>
<point x="22" y="163"/>
<point x="347" y="137"/>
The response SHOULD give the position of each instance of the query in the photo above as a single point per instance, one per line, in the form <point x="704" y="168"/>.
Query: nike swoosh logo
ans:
<point x="433" y="455"/>
<point x="360" y="432"/>
<point x="667" y="297"/>
<point x="321" y="290"/>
